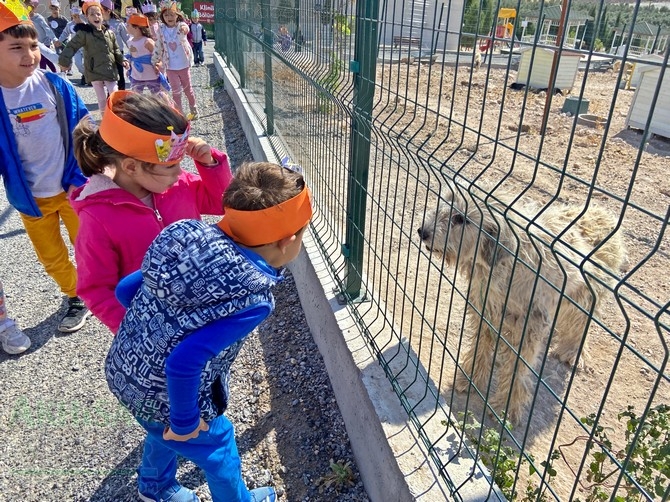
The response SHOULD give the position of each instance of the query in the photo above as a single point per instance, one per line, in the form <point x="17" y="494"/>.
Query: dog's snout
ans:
<point x="423" y="233"/>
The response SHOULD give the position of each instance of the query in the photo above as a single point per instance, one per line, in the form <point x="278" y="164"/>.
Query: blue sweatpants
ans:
<point x="214" y="451"/>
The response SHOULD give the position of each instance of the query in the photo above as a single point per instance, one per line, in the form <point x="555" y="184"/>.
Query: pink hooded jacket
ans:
<point x="116" y="229"/>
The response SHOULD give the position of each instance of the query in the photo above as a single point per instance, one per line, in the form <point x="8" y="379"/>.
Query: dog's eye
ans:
<point x="457" y="219"/>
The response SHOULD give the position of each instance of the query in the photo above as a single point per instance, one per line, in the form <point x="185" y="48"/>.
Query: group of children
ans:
<point x="159" y="54"/>
<point x="180" y="295"/>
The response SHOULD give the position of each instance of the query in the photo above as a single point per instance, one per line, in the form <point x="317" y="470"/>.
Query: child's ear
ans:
<point x="284" y="243"/>
<point x="130" y="166"/>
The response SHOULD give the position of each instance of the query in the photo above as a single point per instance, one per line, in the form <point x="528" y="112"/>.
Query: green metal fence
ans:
<point x="492" y="197"/>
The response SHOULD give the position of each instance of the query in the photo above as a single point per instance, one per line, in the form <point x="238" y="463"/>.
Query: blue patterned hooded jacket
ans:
<point x="193" y="276"/>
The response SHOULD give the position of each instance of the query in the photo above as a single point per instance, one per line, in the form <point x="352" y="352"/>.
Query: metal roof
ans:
<point x="553" y="13"/>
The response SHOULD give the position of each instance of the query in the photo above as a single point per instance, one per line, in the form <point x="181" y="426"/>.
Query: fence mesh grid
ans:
<point x="492" y="198"/>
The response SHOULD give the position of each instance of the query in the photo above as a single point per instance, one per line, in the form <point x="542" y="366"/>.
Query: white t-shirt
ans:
<point x="177" y="57"/>
<point x="32" y="112"/>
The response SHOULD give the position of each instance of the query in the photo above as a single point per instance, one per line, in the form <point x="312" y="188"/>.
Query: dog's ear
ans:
<point x="493" y="241"/>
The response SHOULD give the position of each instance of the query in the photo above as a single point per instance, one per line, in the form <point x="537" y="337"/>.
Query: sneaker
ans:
<point x="75" y="317"/>
<point x="14" y="341"/>
<point x="194" y="114"/>
<point x="265" y="494"/>
<point x="175" y="493"/>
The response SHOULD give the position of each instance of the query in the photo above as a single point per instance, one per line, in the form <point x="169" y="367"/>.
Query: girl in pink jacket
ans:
<point x="136" y="188"/>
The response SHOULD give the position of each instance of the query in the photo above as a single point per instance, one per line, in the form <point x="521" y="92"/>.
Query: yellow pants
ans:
<point x="44" y="233"/>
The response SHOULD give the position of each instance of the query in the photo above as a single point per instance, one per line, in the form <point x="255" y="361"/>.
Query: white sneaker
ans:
<point x="14" y="341"/>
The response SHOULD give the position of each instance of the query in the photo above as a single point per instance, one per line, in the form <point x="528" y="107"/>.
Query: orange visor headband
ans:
<point x="139" y="20"/>
<point x="137" y="143"/>
<point x="256" y="228"/>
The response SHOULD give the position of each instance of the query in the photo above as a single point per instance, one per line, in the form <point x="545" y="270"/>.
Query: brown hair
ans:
<point x="180" y="17"/>
<point x="20" y="31"/>
<point x="152" y="113"/>
<point x="144" y="30"/>
<point x="260" y="185"/>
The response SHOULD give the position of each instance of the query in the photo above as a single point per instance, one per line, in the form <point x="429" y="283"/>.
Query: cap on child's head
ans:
<point x="54" y="3"/>
<point x="124" y="137"/>
<point x="107" y="4"/>
<point x="148" y="7"/>
<point x="75" y="11"/>
<point x="138" y="20"/>
<point x="195" y="14"/>
<point x="88" y="4"/>
<point x="130" y="11"/>
<point x="12" y="14"/>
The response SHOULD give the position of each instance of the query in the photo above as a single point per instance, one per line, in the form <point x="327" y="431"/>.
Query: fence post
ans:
<point x="237" y="50"/>
<point x="268" y="40"/>
<point x="364" y="67"/>
<point x="220" y="32"/>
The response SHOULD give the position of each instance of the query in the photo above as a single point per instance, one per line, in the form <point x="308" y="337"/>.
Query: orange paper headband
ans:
<point x="256" y="228"/>
<point x="91" y="3"/>
<point x="13" y="14"/>
<point x="138" y="20"/>
<point x="137" y="143"/>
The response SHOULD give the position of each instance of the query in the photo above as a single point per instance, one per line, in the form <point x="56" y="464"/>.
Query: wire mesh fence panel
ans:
<point x="492" y="198"/>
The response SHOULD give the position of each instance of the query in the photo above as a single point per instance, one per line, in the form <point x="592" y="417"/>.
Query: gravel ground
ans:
<point x="64" y="437"/>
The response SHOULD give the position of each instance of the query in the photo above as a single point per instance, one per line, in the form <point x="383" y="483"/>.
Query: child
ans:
<point x="173" y="54"/>
<point x="67" y="34"/>
<point x="56" y="22"/>
<point x="114" y="23"/>
<point x="38" y="112"/>
<point x="204" y="289"/>
<point x="141" y="73"/>
<point x="198" y="38"/>
<point x="136" y="188"/>
<point x="46" y="36"/>
<point x="149" y="10"/>
<point x="13" y="340"/>
<point x="101" y="53"/>
<point x="284" y="38"/>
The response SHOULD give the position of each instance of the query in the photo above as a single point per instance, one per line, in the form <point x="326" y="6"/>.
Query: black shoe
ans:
<point x="82" y="82"/>
<point x="75" y="317"/>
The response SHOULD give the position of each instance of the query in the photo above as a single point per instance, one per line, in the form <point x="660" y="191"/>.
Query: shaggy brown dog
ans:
<point x="530" y="269"/>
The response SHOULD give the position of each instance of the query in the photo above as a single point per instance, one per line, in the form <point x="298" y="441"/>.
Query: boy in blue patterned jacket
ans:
<point x="203" y="288"/>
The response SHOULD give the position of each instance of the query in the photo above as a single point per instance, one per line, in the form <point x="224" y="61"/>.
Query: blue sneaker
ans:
<point x="174" y="493"/>
<point x="265" y="494"/>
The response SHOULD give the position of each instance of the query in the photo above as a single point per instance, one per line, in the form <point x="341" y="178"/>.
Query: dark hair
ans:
<point x="112" y="13"/>
<point x="144" y="30"/>
<point x="20" y="31"/>
<point x="152" y="113"/>
<point x="180" y="16"/>
<point x="260" y="185"/>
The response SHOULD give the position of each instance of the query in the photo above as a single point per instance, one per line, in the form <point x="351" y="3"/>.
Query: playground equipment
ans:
<point x="504" y="30"/>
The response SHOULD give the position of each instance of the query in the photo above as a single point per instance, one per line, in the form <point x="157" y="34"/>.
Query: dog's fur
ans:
<point x="516" y="282"/>
<point x="477" y="58"/>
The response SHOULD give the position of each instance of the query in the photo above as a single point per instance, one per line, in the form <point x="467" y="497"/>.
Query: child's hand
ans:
<point x="168" y="435"/>
<point x="200" y="151"/>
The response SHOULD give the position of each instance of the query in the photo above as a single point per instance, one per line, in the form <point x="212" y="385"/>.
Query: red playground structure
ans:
<point x="504" y="31"/>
